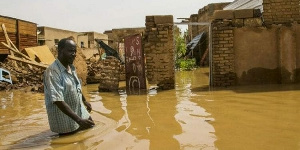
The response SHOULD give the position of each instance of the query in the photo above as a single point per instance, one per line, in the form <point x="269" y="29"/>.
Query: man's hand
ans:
<point x="88" y="106"/>
<point x="85" y="123"/>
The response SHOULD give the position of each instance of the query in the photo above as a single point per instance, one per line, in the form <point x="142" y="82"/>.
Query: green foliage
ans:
<point x="180" y="46"/>
<point x="185" y="64"/>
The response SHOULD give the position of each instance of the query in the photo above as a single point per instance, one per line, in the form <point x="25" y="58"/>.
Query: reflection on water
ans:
<point x="188" y="117"/>
<point x="197" y="132"/>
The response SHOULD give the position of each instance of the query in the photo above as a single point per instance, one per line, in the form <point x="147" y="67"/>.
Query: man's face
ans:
<point x="69" y="52"/>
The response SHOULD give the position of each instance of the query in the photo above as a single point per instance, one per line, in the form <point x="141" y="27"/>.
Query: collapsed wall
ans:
<point x="159" y="49"/>
<point x="23" y="76"/>
<point x="105" y="72"/>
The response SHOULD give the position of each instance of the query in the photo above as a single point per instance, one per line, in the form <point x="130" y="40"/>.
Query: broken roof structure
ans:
<point x="41" y="54"/>
<point x="195" y="42"/>
<point x="245" y="4"/>
<point x="108" y="50"/>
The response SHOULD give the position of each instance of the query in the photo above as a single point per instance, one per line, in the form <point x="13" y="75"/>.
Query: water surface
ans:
<point x="192" y="116"/>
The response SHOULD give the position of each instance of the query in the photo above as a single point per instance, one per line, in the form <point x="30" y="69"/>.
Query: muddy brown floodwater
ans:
<point x="192" y="116"/>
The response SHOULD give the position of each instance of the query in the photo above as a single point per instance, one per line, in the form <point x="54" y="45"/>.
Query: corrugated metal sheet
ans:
<point x="245" y="4"/>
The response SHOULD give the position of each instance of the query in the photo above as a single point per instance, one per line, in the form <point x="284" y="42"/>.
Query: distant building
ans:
<point x="94" y="35"/>
<point x="116" y="36"/>
<point x="22" y="33"/>
<point x="50" y="36"/>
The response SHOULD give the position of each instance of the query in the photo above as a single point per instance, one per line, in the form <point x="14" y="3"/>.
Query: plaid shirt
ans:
<point x="59" y="85"/>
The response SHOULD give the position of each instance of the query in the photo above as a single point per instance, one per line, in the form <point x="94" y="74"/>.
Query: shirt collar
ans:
<point x="62" y="67"/>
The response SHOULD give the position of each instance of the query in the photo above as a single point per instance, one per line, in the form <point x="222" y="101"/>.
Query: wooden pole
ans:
<point x="12" y="49"/>
<point x="6" y="35"/>
<point x="27" y="61"/>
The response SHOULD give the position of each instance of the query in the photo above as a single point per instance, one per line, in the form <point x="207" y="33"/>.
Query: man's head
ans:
<point x="66" y="51"/>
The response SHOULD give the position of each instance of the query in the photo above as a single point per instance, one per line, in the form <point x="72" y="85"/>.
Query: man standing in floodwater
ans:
<point x="67" y="108"/>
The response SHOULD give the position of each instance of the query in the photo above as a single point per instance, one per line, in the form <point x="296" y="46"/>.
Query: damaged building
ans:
<point x="50" y="36"/>
<point x="22" y="33"/>
<point x="252" y="42"/>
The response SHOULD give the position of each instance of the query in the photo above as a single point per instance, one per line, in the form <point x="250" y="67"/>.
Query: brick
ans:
<point x="228" y="31"/>
<point x="223" y="35"/>
<point x="224" y="49"/>
<point x="223" y="14"/>
<point x="162" y="32"/>
<point x="223" y="42"/>
<point x="228" y="45"/>
<point x="163" y="19"/>
<point x="243" y="13"/>
<point x="238" y="22"/>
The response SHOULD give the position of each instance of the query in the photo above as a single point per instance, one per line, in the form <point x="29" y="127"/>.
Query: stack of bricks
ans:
<point x="159" y="49"/>
<point x="109" y="74"/>
<point x="223" y="53"/>
<point x="281" y="11"/>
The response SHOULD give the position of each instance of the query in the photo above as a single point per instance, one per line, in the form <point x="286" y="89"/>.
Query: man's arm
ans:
<point x="87" y="104"/>
<point x="65" y="108"/>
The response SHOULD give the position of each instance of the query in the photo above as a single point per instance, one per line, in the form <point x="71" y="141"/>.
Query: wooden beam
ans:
<point x="18" y="39"/>
<point x="5" y="34"/>
<point x="203" y="57"/>
<point x="12" y="49"/>
<point x="27" y="61"/>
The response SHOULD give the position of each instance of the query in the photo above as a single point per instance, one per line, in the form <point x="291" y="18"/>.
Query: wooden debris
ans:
<point x="27" y="61"/>
<point x="25" y="72"/>
<point x="6" y="35"/>
<point x="16" y="51"/>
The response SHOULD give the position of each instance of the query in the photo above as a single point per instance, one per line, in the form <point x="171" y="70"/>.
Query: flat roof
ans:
<point x="17" y="19"/>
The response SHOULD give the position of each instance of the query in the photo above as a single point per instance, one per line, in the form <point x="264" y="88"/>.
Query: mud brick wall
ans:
<point x="159" y="49"/>
<point x="109" y="75"/>
<point x="281" y="11"/>
<point x="223" y="53"/>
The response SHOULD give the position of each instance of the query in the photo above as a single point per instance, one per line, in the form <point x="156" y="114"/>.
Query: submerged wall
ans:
<point x="256" y="55"/>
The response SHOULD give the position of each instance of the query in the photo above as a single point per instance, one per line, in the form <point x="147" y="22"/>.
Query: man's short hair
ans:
<point x="62" y="43"/>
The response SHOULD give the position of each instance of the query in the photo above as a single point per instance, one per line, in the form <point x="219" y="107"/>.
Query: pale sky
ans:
<point x="97" y="15"/>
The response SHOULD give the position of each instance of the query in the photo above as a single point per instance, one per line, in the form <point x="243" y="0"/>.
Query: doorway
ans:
<point x="198" y="40"/>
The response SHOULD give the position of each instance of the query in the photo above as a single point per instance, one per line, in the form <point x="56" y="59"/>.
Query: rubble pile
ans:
<point x="81" y="66"/>
<point x="105" y="72"/>
<point x="94" y="69"/>
<point x="23" y="75"/>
